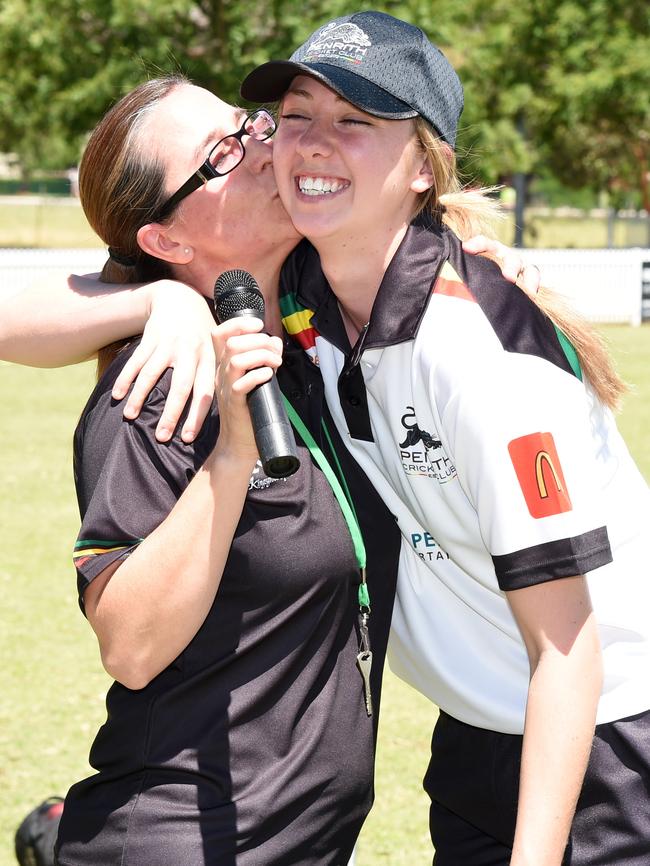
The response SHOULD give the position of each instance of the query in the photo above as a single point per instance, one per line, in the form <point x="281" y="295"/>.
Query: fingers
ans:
<point x="183" y="383"/>
<point x="530" y="279"/>
<point x="245" y="356"/>
<point x="233" y="328"/>
<point x="481" y="244"/>
<point x="144" y="384"/>
<point x="129" y="372"/>
<point x="241" y="347"/>
<point x="246" y="360"/>
<point x="143" y="369"/>
<point x="508" y="260"/>
<point x="513" y="267"/>
<point x="178" y="334"/>
<point x="250" y="379"/>
<point x="241" y="350"/>
<point x="202" y="395"/>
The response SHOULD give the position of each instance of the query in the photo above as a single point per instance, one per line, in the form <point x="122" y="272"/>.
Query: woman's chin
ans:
<point x="314" y="227"/>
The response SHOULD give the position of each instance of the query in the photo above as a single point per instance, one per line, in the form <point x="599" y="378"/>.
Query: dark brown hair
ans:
<point x="122" y="187"/>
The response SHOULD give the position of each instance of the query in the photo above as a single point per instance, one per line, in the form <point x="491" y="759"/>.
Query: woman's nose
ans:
<point x="315" y="140"/>
<point x="259" y="154"/>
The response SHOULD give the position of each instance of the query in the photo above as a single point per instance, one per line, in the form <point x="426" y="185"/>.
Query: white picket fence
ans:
<point x="604" y="284"/>
<point x="20" y="268"/>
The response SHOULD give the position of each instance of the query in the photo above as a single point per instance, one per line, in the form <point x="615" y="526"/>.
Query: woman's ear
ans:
<point x="154" y="239"/>
<point x="423" y="180"/>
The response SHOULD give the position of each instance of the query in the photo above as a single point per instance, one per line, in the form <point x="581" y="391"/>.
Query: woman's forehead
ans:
<point x="311" y="87"/>
<point x="194" y="114"/>
<point x="318" y="93"/>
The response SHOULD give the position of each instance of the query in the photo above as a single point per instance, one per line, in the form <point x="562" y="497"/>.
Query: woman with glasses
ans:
<point x="225" y="602"/>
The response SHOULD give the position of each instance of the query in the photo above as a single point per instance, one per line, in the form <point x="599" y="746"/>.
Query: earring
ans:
<point x="187" y="251"/>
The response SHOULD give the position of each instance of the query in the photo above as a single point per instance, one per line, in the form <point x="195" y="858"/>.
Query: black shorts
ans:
<point x="473" y="783"/>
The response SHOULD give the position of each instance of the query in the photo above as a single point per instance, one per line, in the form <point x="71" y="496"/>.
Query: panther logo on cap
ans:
<point x="339" y="40"/>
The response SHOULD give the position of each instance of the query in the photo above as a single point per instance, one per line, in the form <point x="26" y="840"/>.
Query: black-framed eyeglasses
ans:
<point x="225" y="156"/>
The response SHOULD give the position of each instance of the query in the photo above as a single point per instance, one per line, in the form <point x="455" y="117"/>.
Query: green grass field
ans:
<point x="44" y="223"/>
<point x="51" y="683"/>
<point x="52" y="222"/>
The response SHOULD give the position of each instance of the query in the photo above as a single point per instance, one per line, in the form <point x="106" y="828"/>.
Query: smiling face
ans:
<point x="343" y="174"/>
<point x="234" y="221"/>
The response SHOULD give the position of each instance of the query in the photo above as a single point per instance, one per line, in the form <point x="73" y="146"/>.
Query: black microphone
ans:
<point x="237" y="294"/>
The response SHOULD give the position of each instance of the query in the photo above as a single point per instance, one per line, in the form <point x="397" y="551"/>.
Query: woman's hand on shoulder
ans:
<point x="513" y="267"/>
<point x="179" y="334"/>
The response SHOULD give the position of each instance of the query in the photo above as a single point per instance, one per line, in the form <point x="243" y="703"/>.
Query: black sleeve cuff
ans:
<point x="565" y="557"/>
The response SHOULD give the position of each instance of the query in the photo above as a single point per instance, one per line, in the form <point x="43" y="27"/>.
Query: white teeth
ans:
<point x="318" y="185"/>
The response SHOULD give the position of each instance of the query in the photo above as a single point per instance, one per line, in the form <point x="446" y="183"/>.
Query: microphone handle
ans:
<point x="274" y="437"/>
<point x="276" y="443"/>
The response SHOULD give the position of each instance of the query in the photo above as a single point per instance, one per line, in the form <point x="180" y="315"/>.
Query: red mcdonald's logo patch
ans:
<point x="540" y="475"/>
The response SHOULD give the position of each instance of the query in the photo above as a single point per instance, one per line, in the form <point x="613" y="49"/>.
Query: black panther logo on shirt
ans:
<point x="430" y="461"/>
<point x="416" y="435"/>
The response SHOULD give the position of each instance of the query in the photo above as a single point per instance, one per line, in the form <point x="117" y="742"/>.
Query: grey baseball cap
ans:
<point x="382" y="65"/>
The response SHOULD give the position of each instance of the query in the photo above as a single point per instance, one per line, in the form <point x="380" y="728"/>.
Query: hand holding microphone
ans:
<point x="237" y="294"/>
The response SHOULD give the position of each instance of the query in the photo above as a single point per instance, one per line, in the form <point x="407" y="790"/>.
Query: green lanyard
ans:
<point x="364" y="656"/>
<point x="344" y="498"/>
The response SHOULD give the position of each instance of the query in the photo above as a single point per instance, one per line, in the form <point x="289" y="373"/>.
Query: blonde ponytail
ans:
<point x="469" y="212"/>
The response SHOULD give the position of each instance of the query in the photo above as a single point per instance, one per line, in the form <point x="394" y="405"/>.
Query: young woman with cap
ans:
<point x="483" y="419"/>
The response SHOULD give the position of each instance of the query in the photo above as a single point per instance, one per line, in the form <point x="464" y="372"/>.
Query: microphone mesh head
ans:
<point x="235" y="280"/>
<point x="236" y="291"/>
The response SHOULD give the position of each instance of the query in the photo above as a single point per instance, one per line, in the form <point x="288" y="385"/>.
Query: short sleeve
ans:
<point x="127" y="482"/>
<point x="525" y="437"/>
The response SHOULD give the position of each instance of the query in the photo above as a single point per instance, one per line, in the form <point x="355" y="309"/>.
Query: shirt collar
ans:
<point x="402" y="297"/>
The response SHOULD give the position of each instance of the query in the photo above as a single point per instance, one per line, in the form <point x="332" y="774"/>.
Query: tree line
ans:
<point x="559" y="88"/>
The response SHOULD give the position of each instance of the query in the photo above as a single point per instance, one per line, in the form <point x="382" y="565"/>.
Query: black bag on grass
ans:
<point x="36" y="835"/>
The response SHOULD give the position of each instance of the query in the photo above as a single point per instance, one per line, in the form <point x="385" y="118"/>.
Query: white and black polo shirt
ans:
<point x="466" y="408"/>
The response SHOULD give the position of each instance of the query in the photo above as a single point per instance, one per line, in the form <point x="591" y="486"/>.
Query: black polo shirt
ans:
<point x="253" y="746"/>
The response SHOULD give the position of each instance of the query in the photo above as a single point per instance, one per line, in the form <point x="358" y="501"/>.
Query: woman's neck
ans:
<point x="354" y="269"/>
<point x="266" y="274"/>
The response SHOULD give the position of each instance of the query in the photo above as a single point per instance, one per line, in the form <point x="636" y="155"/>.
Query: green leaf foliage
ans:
<point x="553" y="87"/>
<point x="559" y="87"/>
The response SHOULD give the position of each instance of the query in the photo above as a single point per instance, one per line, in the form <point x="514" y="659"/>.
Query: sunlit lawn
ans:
<point x="51" y="222"/>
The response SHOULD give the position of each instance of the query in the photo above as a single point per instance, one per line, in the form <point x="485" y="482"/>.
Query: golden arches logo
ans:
<point x="539" y="472"/>
<point x="542" y="459"/>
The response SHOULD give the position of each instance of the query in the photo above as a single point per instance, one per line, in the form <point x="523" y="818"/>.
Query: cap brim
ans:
<point x="270" y="81"/>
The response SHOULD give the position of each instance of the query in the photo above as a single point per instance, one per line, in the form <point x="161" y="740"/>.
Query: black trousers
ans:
<point x="473" y="782"/>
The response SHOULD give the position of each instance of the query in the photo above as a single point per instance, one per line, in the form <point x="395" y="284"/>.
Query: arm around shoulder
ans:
<point x="61" y="321"/>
